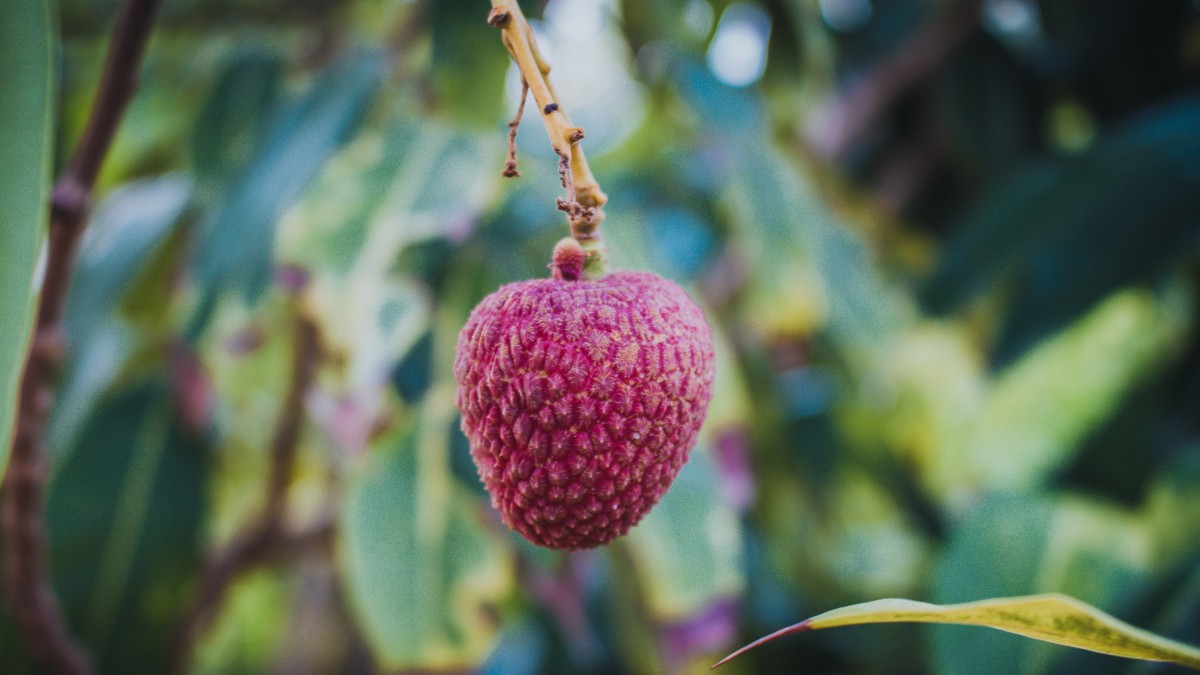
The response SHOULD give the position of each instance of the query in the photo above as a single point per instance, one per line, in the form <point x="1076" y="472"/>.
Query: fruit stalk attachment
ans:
<point x="584" y="199"/>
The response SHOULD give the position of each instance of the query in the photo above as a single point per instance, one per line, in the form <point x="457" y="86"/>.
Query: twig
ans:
<point x="253" y="549"/>
<point x="584" y="196"/>
<point x="267" y="536"/>
<point x="835" y="126"/>
<point x="27" y="577"/>
<point x="510" y="166"/>
<point x="306" y="355"/>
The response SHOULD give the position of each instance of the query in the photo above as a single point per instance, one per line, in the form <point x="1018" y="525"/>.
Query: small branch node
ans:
<point x="590" y="195"/>
<point x="70" y="200"/>
<point x="576" y="212"/>
<point x="49" y="346"/>
<point x="498" y="17"/>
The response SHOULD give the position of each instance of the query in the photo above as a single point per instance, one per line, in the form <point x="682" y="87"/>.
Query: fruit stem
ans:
<point x="585" y="199"/>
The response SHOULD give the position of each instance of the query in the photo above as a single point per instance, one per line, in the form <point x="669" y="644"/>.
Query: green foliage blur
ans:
<point x="950" y="250"/>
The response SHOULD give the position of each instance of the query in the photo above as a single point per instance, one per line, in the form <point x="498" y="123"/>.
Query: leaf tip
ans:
<point x="794" y="628"/>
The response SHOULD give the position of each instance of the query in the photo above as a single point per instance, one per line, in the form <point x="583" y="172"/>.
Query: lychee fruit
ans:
<point x="582" y="398"/>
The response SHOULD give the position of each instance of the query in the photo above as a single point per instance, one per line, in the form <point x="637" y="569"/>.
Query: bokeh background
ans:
<point x="950" y="250"/>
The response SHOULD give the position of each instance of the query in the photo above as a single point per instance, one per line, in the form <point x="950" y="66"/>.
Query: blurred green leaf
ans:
<point x="126" y="233"/>
<point x="807" y="270"/>
<point x="988" y="112"/>
<point x="236" y="239"/>
<point x="229" y="127"/>
<point x="644" y="21"/>
<point x="469" y="61"/>
<point x="94" y="363"/>
<point x="251" y="627"/>
<point x="1010" y="546"/>
<point x="1073" y="230"/>
<point x="412" y="376"/>
<point x="374" y="324"/>
<point x="1042" y="406"/>
<point x="422" y="575"/>
<point x="1051" y="617"/>
<point x="413" y="181"/>
<point x="687" y="550"/>
<point x="785" y="229"/>
<point x="124" y="515"/>
<point x="28" y="39"/>
<point x="127" y="226"/>
<point x="1172" y="509"/>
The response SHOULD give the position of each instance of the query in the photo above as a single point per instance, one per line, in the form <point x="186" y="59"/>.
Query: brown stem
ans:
<point x="306" y="355"/>
<point x="584" y="196"/>
<point x="267" y="536"/>
<point x="510" y="166"/>
<point x="27" y="578"/>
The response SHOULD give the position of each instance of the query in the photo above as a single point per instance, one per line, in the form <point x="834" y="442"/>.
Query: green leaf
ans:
<point x="469" y="62"/>
<point x="124" y="230"/>
<point x="966" y="429"/>
<point x="27" y="44"/>
<point x="1172" y="508"/>
<point x="1086" y="370"/>
<point x="1072" y="231"/>
<point x="128" y="231"/>
<point x="805" y="263"/>
<point x="687" y="550"/>
<point x="1022" y="545"/>
<point x="1050" y="617"/>
<point x="233" y="119"/>
<point x="413" y="181"/>
<point x="236" y="239"/>
<point x="124" y="515"/>
<point x="422" y="575"/>
<point x="412" y="375"/>
<point x="644" y="21"/>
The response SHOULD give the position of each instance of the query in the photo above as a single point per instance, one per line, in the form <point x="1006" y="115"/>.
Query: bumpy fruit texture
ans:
<point x="581" y="400"/>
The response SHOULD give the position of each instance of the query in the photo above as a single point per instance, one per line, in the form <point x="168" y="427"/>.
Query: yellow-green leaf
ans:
<point x="1051" y="617"/>
<point x="423" y="576"/>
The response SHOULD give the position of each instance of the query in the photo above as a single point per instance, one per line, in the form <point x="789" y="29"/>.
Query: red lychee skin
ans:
<point x="581" y="400"/>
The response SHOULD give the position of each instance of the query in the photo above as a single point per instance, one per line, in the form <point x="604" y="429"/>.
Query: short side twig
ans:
<point x="27" y="578"/>
<point x="267" y="537"/>
<point x="510" y="166"/>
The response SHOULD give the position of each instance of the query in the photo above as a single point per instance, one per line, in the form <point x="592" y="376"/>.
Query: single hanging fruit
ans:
<point x="581" y="398"/>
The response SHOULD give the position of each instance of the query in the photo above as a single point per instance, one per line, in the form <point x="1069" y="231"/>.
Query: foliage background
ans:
<point x="950" y="251"/>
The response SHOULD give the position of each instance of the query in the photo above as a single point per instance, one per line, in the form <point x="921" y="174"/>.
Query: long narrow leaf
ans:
<point x="1050" y="617"/>
<point x="27" y="37"/>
